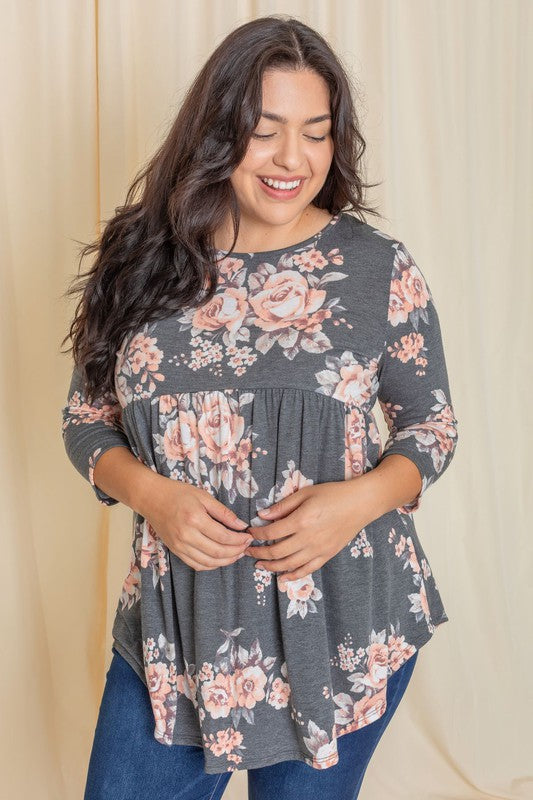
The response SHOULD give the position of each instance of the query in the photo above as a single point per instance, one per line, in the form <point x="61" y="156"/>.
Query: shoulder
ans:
<point x="372" y="258"/>
<point x="368" y="245"/>
<point x="363" y="258"/>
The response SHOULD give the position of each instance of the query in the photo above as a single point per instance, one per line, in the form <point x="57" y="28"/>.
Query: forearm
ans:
<point x="394" y="482"/>
<point x="124" y="477"/>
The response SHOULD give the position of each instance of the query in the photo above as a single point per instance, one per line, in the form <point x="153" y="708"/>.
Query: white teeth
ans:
<point x="281" y="184"/>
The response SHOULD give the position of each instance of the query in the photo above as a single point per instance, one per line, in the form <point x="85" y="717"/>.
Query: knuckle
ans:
<point x="182" y="535"/>
<point x="197" y="518"/>
<point x="187" y="513"/>
<point x="191" y="519"/>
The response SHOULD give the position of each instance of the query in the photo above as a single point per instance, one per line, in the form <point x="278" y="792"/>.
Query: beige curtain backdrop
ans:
<point x="88" y="91"/>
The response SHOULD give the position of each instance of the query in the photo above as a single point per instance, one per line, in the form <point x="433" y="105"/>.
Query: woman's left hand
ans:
<point x="313" y="524"/>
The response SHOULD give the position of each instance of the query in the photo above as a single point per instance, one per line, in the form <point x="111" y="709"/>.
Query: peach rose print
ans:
<point x="377" y="665"/>
<point x="131" y="587"/>
<point x="249" y="684"/>
<point x="324" y="750"/>
<point x="353" y="714"/>
<point x="226" y="309"/>
<point x="228" y="267"/>
<point x="369" y="708"/>
<point x="399" y="650"/>
<point x="180" y="440"/>
<point x="356" y="383"/>
<point x="350" y="379"/>
<point x="294" y="480"/>
<point x="218" y="696"/>
<point x="301" y="594"/>
<point x="143" y="354"/>
<point x="309" y="260"/>
<point x="157" y="676"/>
<point x="186" y="684"/>
<point x="143" y="359"/>
<point x="408" y="290"/>
<point x="225" y="742"/>
<point x="219" y="428"/>
<point x="285" y="299"/>
<point x="354" y="443"/>
<point x="420" y="607"/>
<point x="409" y="347"/>
<point x="280" y="692"/>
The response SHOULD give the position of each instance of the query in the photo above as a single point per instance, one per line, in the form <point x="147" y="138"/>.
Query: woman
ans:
<point x="232" y="337"/>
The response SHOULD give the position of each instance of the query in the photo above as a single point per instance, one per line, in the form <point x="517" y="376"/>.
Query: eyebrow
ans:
<point x="284" y="120"/>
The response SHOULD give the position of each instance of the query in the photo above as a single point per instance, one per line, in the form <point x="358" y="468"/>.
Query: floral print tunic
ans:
<point x="267" y="388"/>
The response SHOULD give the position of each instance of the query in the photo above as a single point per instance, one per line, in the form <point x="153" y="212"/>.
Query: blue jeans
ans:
<point x="128" y="763"/>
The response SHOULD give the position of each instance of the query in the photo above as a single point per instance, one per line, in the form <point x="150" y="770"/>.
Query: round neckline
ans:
<point x="297" y="245"/>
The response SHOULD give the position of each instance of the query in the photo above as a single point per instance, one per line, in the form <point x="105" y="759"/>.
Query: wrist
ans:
<point x="366" y="493"/>
<point x="143" y="489"/>
<point x="392" y="483"/>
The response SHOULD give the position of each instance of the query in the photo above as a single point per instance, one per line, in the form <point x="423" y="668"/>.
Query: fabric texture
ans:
<point x="269" y="387"/>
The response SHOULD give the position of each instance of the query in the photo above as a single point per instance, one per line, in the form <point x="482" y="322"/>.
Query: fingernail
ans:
<point x="241" y="555"/>
<point x="241" y="522"/>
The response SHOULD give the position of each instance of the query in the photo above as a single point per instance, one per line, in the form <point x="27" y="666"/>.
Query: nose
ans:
<point x="289" y="153"/>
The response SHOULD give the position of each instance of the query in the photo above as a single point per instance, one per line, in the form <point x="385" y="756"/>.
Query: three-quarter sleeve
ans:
<point x="414" y="392"/>
<point x="90" y="430"/>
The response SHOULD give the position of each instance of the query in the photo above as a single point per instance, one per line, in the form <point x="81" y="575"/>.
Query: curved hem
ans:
<point x="131" y="661"/>
<point x="283" y="755"/>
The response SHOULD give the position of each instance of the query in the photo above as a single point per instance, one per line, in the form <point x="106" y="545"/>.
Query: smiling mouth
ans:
<point x="281" y="185"/>
<point x="280" y="190"/>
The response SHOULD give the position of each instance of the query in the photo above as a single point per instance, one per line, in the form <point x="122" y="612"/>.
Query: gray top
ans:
<point x="268" y="388"/>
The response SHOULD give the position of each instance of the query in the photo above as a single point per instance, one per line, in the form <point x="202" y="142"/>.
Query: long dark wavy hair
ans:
<point x="156" y="255"/>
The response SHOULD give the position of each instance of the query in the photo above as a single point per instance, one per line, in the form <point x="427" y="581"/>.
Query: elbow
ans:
<point x="66" y="438"/>
<point x="441" y="438"/>
<point x="432" y="446"/>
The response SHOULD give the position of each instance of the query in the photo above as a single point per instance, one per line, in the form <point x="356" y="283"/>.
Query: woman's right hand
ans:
<point x="193" y="524"/>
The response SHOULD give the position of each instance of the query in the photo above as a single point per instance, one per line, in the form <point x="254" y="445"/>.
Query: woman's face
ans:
<point x="289" y="143"/>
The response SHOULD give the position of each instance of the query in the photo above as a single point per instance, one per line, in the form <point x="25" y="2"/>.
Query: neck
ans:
<point x="254" y="236"/>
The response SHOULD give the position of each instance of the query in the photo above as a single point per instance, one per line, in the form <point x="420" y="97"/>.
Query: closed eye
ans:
<point x="270" y="135"/>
